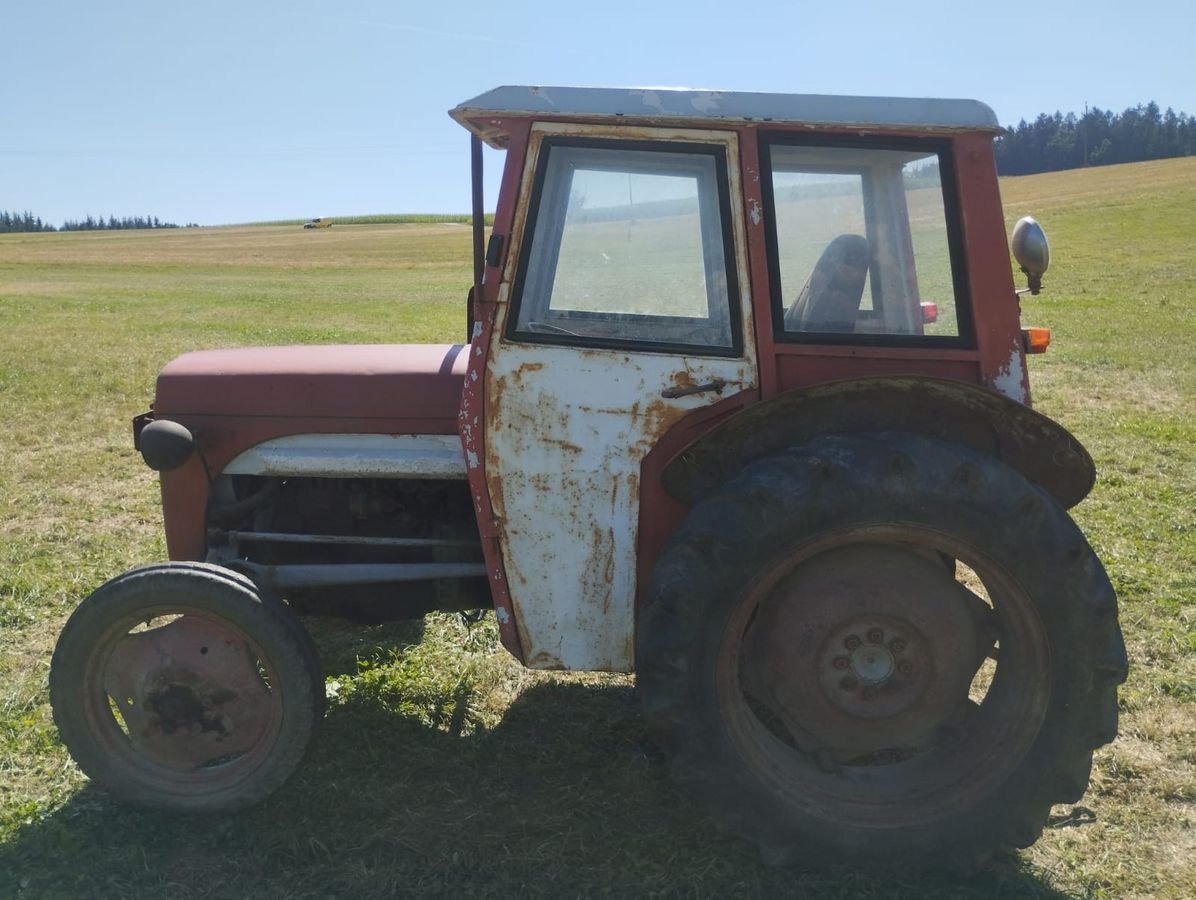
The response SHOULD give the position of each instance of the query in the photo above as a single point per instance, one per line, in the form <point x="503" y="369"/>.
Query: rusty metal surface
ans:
<point x="565" y="444"/>
<point x="1040" y="449"/>
<point x="566" y="432"/>
<point x="338" y="381"/>
<point x="865" y="648"/>
<point x="471" y="416"/>
<point x="189" y="692"/>
<point x="354" y="456"/>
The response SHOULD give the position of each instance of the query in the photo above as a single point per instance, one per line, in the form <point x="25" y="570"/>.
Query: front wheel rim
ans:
<point x="192" y="706"/>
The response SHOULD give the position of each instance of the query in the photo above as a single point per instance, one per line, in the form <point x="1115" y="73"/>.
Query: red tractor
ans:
<point x="744" y="409"/>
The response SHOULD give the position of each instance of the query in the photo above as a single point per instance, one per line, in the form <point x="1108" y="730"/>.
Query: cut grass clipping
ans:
<point x="443" y="767"/>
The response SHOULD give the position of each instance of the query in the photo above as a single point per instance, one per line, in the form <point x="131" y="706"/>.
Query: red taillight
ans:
<point x="930" y="313"/>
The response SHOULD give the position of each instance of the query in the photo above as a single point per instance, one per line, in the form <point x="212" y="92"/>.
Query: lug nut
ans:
<point x="851" y="642"/>
<point x="905" y="667"/>
<point x="848" y="683"/>
<point x="875" y="635"/>
<point x="896" y="645"/>
<point x="841" y="662"/>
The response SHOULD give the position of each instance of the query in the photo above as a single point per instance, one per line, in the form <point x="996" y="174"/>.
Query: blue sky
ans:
<point x="219" y="112"/>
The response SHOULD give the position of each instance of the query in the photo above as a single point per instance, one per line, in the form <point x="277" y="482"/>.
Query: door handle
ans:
<point x="671" y="393"/>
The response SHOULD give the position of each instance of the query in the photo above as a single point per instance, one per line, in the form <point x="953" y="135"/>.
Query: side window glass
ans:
<point x="862" y="245"/>
<point x="629" y="247"/>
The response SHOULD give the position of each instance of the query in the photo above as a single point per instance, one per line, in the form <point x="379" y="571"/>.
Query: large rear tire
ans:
<point x="179" y="686"/>
<point x="829" y="689"/>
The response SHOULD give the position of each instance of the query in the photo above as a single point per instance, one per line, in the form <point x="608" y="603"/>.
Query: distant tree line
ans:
<point x="26" y="221"/>
<point x="1097" y="138"/>
<point x="114" y="224"/>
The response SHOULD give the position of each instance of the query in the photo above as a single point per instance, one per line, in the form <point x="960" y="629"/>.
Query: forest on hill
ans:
<point x="1096" y="138"/>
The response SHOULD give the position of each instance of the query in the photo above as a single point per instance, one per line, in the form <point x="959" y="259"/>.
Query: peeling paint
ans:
<point x="354" y="456"/>
<point x="1011" y="380"/>
<point x="651" y="99"/>
<point x="707" y="103"/>
<point x="503" y="616"/>
<point x="566" y="431"/>
<point x="541" y="93"/>
<point x="472" y="459"/>
<point x="564" y="472"/>
<point x="755" y="213"/>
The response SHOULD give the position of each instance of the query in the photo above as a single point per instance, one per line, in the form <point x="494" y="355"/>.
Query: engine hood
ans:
<point x="384" y="381"/>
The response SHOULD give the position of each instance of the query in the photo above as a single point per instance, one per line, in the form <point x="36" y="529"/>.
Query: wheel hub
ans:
<point x="865" y="648"/>
<point x="875" y="665"/>
<point x="190" y="693"/>
<point x="872" y="666"/>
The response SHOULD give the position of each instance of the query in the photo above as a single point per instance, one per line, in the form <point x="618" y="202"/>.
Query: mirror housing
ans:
<point x="1031" y="250"/>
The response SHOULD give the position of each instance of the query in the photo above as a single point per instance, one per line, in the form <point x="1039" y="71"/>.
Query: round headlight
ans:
<point x="166" y="445"/>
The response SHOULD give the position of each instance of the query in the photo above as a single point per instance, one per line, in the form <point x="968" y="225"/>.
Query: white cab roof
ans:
<point x="675" y="105"/>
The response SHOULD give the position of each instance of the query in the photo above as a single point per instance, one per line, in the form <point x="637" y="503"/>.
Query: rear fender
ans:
<point x="1041" y="450"/>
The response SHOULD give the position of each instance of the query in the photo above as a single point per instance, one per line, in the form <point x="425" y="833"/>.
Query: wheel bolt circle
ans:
<point x="851" y="641"/>
<point x="841" y="662"/>
<point x="875" y="636"/>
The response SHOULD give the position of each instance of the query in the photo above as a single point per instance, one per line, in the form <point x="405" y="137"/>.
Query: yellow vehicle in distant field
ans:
<point x="319" y="222"/>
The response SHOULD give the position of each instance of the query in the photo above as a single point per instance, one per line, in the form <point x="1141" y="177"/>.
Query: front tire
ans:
<point x="817" y="679"/>
<point x="179" y="686"/>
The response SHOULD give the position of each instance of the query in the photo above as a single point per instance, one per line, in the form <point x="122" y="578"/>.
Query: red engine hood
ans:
<point x="385" y="381"/>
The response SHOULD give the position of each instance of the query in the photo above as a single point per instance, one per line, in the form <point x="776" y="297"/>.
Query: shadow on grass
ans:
<point x="560" y="799"/>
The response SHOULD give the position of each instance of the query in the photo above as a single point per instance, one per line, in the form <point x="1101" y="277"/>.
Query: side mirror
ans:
<point x="1031" y="250"/>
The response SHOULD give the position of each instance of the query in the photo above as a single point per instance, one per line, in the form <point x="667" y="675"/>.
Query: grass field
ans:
<point x="445" y="769"/>
<point x="388" y="219"/>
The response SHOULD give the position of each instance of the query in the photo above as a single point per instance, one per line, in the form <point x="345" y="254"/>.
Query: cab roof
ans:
<point x="674" y="106"/>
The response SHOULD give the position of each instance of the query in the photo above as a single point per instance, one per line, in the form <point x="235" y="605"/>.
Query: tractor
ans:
<point x="742" y="408"/>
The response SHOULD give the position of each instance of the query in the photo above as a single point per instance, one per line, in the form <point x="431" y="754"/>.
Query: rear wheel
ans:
<point x="178" y="686"/>
<point x="839" y="696"/>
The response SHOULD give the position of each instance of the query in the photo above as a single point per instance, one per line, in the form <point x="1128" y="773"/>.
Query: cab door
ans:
<point x="624" y="308"/>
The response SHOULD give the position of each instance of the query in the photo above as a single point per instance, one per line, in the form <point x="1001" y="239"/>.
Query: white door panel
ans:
<point x="568" y="426"/>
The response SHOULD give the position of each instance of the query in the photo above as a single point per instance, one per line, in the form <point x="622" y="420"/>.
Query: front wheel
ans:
<point x="839" y="697"/>
<point x="178" y="686"/>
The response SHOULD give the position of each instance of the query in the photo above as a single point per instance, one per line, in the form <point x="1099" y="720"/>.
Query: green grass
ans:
<point x="445" y="769"/>
<point x="390" y="219"/>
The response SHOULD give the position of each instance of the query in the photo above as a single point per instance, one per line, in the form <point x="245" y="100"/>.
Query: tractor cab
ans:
<point x="663" y="261"/>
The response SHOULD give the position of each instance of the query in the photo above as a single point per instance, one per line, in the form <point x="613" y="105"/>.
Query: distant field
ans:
<point x="445" y="769"/>
<point x="388" y="219"/>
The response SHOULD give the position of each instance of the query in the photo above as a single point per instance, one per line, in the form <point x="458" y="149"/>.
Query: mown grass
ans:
<point x="389" y="219"/>
<point x="445" y="769"/>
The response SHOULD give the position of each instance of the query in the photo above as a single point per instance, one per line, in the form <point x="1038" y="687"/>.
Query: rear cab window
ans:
<point x="864" y="243"/>
<point x="630" y="246"/>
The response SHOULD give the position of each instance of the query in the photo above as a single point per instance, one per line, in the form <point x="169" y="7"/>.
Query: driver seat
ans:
<point x="830" y="298"/>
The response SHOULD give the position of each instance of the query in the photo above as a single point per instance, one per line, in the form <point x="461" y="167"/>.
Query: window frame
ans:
<point x="535" y="211"/>
<point x="939" y="147"/>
